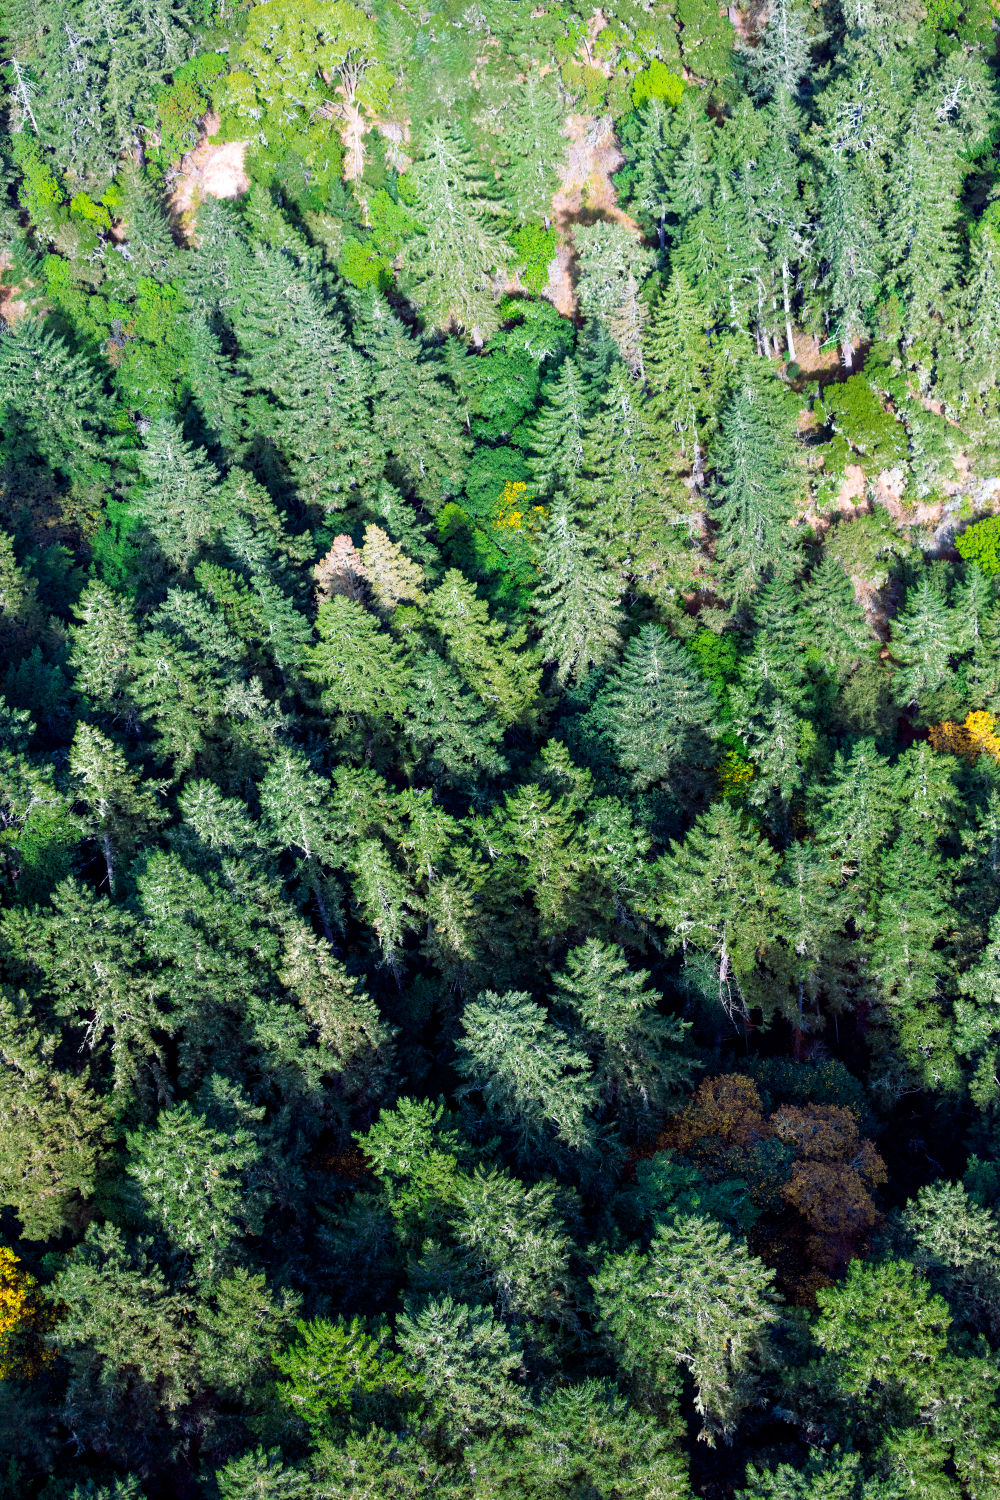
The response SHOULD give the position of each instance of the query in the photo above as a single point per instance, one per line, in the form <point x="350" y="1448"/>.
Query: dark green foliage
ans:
<point x="499" y="813"/>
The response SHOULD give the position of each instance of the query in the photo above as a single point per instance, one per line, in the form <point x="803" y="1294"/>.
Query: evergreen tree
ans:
<point x="52" y="406"/>
<point x="757" y="485"/>
<point x="681" y="369"/>
<point x="414" y="406"/>
<point x="640" y="1057"/>
<point x="117" y="805"/>
<point x="557" y="432"/>
<point x="512" y="1238"/>
<point x="695" y="1299"/>
<point x="464" y="1363"/>
<point x="453" y="261"/>
<point x="577" y="604"/>
<point x="716" y="894"/>
<point x="192" y="1183"/>
<point x="835" y="623"/>
<point x="494" y="661"/>
<point x="178" y="501"/>
<point x="55" y="1131"/>
<point x="104" y="640"/>
<point x="530" y="1077"/>
<point x="655" y="716"/>
<point x="923" y="639"/>
<point x="362" y="671"/>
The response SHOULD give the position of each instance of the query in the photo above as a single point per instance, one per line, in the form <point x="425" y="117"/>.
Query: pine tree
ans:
<point x="695" y="1299"/>
<point x="55" y="1131"/>
<point x="117" y="806"/>
<point x="557" y="431"/>
<point x="924" y="640"/>
<point x="656" y="716"/>
<point x="191" y="1181"/>
<point x="577" y="603"/>
<point x="531" y="1079"/>
<point x="639" y="1055"/>
<point x="681" y="368"/>
<point x="453" y="261"/>
<point x="757" y="485"/>
<point x="104" y="640"/>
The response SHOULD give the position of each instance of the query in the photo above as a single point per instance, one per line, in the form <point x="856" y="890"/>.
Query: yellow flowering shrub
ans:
<point x="23" y="1320"/>
<point x="735" y="774"/>
<point x="512" y="512"/>
<point x="977" y="736"/>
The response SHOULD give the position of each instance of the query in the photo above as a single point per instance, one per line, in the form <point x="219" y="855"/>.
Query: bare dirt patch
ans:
<point x="585" y="195"/>
<point x="12" y="309"/>
<point x="209" y="171"/>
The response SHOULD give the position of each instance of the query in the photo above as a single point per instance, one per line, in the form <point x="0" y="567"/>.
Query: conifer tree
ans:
<point x="415" y="408"/>
<point x="453" y="261"/>
<point x="557" y="432"/>
<point x="834" y="621"/>
<point x="621" y="485"/>
<point x="695" y="1299"/>
<point x="923" y="639"/>
<point x="55" y="1131"/>
<point x="533" y="144"/>
<point x="530" y="1077"/>
<point x="716" y="893"/>
<point x="191" y="1180"/>
<point x="757" y="485"/>
<point x="458" y="739"/>
<point x="639" y="1055"/>
<point x="513" y="1240"/>
<point x="52" y="406"/>
<point x="362" y="671"/>
<point x="464" y="1363"/>
<point x="655" y="715"/>
<point x="681" y="370"/>
<point x="577" y="603"/>
<point x="117" y="806"/>
<point x="104" y="639"/>
<point x="494" y="661"/>
<point x="178" y="499"/>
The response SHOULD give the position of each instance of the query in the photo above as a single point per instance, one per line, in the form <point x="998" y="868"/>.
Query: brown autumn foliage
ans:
<point x="809" y="1157"/>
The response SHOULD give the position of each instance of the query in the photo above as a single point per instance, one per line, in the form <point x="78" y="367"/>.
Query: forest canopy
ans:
<point x="499" y="750"/>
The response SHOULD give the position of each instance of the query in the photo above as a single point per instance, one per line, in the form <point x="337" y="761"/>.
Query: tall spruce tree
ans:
<point x="757" y="484"/>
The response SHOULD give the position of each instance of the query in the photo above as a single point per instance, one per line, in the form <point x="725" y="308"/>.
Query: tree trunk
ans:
<point x="789" y="336"/>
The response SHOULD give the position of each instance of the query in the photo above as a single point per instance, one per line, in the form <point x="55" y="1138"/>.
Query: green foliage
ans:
<point x="980" y="544"/>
